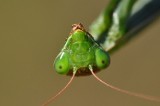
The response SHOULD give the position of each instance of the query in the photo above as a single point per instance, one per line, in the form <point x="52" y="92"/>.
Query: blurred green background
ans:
<point x="32" y="32"/>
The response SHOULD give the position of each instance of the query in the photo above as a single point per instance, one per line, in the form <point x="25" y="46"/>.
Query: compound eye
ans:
<point x="102" y="58"/>
<point x="61" y="63"/>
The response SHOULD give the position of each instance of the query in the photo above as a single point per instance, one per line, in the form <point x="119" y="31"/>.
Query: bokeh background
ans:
<point x="32" y="32"/>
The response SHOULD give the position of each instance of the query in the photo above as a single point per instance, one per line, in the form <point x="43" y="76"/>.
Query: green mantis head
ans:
<point x="80" y="52"/>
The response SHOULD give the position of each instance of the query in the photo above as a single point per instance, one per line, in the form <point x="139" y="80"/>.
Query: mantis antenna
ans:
<point x="60" y="92"/>
<point x="146" y="97"/>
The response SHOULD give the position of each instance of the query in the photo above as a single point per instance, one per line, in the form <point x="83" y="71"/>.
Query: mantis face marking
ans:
<point x="80" y="51"/>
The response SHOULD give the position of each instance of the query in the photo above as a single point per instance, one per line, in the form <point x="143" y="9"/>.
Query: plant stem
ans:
<point x="118" y="27"/>
<point x="104" y="21"/>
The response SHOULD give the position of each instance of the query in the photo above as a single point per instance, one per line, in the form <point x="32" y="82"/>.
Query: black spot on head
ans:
<point x="103" y="61"/>
<point x="60" y="67"/>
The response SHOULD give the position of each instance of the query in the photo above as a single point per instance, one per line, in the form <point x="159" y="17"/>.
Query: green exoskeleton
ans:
<point x="82" y="55"/>
<point x="79" y="53"/>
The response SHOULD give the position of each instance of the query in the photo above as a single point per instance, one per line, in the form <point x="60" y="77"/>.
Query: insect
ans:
<point x="82" y="55"/>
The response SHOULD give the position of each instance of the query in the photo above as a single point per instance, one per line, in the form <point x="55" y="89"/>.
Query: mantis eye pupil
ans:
<point x="60" y="67"/>
<point x="103" y="61"/>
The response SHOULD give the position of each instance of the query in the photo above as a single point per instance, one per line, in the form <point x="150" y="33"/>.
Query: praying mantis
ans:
<point x="86" y="53"/>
